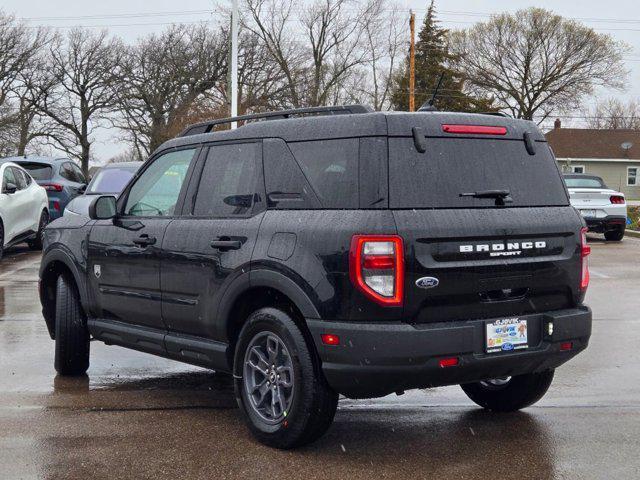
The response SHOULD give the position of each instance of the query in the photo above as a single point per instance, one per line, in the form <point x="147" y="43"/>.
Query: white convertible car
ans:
<point x="24" y="208"/>
<point x="604" y="209"/>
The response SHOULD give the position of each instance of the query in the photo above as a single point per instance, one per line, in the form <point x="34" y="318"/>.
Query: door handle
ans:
<point x="225" y="243"/>
<point x="144" y="240"/>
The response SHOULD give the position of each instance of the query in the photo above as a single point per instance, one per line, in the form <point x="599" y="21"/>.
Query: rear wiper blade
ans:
<point x="488" y="194"/>
<point x="501" y="196"/>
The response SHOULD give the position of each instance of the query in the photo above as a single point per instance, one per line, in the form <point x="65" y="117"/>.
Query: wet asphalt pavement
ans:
<point x="138" y="416"/>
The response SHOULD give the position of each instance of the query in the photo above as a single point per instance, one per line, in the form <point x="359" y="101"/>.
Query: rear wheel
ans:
<point x="72" y="335"/>
<point x="511" y="393"/>
<point x="280" y="389"/>
<point x="36" y="244"/>
<point x="1" y="239"/>
<point x="615" y="235"/>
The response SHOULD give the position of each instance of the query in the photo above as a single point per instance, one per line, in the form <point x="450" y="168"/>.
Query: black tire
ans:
<point x="614" y="235"/>
<point x="1" y="239"/>
<point x="519" y="392"/>
<point x="313" y="403"/>
<point x="72" y="335"/>
<point x="36" y="244"/>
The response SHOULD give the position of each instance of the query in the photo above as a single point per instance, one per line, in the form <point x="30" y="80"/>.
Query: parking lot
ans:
<point x="138" y="416"/>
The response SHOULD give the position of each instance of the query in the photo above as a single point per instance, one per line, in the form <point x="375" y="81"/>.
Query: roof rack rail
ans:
<point x="207" y="126"/>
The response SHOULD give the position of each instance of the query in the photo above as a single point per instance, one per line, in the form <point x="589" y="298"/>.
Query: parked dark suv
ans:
<point x="333" y="251"/>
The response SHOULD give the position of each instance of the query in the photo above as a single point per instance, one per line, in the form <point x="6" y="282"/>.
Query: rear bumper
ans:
<point x="377" y="359"/>
<point x="605" y="224"/>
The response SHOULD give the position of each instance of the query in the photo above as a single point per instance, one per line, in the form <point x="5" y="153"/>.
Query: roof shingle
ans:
<point x="591" y="143"/>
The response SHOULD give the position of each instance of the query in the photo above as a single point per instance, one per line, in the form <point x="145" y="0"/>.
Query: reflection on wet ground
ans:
<point x="138" y="416"/>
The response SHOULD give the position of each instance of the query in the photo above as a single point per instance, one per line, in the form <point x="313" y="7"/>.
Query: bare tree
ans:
<point x="84" y="69"/>
<point x="19" y="45"/>
<point x="316" y="50"/>
<point x="384" y="40"/>
<point x="164" y="77"/>
<point x="535" y="62"/>
<point x="614" y="114"/>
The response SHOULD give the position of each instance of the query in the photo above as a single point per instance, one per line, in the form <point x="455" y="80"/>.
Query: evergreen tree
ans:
<point x="432" y="60"/>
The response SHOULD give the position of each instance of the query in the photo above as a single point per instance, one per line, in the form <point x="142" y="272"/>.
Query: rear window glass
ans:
<point x="110" y="180"/>
<point x="450" y="167"/>
<point x="331" y="167"/>
<point x="584" y="182"/>
<point x="38" y="171"/>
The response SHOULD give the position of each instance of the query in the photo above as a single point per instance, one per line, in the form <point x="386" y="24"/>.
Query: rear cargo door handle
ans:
<point x="225" y="243"/>
<point x="144" y="240"/>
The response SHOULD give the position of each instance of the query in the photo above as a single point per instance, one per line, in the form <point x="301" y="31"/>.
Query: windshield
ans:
<point x="39" y="171"/>
<point x="472" y="173"/>
<point x="110" y="180"/>
<point x="573" y="182"/>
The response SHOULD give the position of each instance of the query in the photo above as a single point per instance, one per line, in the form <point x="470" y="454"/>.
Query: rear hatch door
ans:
<point x="471" y="258"/>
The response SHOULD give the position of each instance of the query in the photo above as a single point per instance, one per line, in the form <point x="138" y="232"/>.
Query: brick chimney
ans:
<point x="557" y="124"/>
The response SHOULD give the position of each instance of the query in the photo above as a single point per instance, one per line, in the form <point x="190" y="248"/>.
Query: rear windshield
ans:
<point x="39" y="171"/>
<point x="453" y="166"/>
<point x="573" y="182"/>
<point x="110" y="180"/>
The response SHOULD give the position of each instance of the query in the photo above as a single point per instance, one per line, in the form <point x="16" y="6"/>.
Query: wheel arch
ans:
<point x="54" y="264"/>
<point x="261" y="289"/>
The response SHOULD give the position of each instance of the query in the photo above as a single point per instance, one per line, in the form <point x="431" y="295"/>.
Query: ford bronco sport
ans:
<point x="330" y="251"/>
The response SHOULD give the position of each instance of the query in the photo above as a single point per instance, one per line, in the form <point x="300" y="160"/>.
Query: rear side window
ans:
<point x="449" y="167"/>
<point x="331" y="167"/>
<point x="20" y="177"/>
<point x="9" y="177"/>
<point x="39" y="171"/>
<point x="228" y="185"/>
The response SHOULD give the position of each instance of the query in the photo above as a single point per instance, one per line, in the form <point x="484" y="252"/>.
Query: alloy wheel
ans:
<point x="268" y="377"/>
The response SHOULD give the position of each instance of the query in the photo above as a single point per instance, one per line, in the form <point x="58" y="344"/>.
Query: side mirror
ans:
<point x="82" y="188"/>
<point x="10" y="188"/>
<point x="241" y="201"/>
<point x="103" y="208"/>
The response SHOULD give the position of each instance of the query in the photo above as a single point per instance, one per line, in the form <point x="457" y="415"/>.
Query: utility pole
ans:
<point x="412" y="63"/>
<point x="234" y="62"/>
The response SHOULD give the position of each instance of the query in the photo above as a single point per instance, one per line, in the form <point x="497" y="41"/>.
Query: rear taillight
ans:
<point x="474" y="129"/>
<point x="617" y="199"/>
<point x="585" y="250"/>
<point x="376" y="267"/>
<point x="52" y="187"/>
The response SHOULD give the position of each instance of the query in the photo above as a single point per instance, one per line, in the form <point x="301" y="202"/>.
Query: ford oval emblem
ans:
<point x="507" y="346"/>
<point x="427" y="282"/>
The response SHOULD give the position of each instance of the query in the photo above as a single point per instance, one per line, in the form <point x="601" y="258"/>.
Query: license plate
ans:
<point x="588" y="213"/>
<point x="506" y="334"/>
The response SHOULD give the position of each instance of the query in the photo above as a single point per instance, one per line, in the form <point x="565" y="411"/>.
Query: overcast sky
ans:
<point x="133" y="18"/>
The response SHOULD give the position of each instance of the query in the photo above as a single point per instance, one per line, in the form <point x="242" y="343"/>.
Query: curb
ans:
<point x="632" y="233"/>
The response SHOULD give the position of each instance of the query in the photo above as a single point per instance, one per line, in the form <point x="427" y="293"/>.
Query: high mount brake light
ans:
<point x="376" y="267"/>
<point x="617" y="199"/>
<point x="585" y="250"/>
<point x="474" y="129"/>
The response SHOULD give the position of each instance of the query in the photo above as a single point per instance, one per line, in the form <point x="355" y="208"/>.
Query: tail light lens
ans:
<point x="376" y="267"/>
<point x="585" y="250"/>
<point x="617" y="199"/>
<point x="52" y="187"/>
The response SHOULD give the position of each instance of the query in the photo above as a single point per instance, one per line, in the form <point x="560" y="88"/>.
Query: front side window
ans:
<point x="229" y="178"/>
<point x="632" y="176"/>
<point x="156" y="192"/>
<point x="8" y="177"/>
<point x="21" y="181"/>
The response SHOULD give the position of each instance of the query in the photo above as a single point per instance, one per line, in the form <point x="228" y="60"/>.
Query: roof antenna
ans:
<point x="428" y="106"/>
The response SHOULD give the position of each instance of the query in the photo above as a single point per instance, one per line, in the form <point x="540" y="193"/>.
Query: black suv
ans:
<point x="331" y="251"/>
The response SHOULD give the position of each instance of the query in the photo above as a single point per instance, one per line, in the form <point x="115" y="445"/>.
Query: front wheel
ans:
<point x="511" y="393"/>
<point x="72" y="334"/>
<point x="279" y="386"/>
